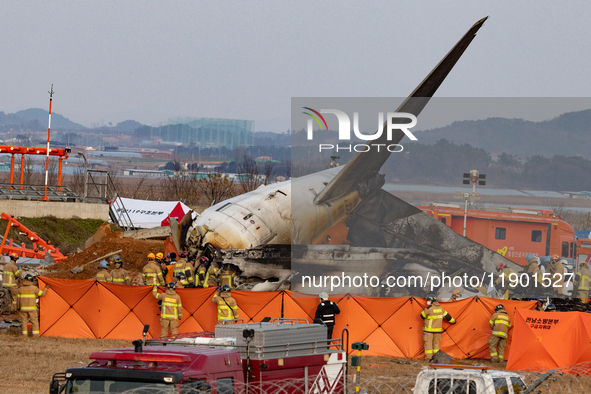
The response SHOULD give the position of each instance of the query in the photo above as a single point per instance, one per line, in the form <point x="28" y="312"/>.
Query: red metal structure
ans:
<point x="23" y="150"/>
<point x="40" y="247"/>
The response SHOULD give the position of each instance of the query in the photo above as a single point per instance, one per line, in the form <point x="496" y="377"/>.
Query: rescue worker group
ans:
<point x="185" y="275"/>
<point x="209" y="274"/>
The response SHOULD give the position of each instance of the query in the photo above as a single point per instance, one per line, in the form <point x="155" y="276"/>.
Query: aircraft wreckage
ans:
<point x="269" y="233"/>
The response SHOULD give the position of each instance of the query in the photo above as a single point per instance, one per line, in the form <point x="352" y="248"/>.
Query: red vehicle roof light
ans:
<point x="148" y="357"/>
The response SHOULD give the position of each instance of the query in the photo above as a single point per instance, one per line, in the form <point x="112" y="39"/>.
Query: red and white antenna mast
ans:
<point x="48" y="135"/>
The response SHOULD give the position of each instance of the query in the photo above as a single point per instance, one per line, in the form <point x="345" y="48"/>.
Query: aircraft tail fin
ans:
<point x="366" y="165"/>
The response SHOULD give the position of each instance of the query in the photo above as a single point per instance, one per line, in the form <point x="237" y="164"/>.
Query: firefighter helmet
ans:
<point x="151" y="256"/>
<point x="564" y="261"/>
<point x="501" y="266"/>
<point x="29" y="277"/>
<point x="541" y="299"/>
<point x="204" y="259"/>
<point x="225" y="289"/>
<point x="324" y="296"/>
<point x="456" y="292"/>
<point x="583" y="264"/>
<point x="104" y="264"/>
<point x="530" y="256"/>
<point x="431" y="297"/>
<point x="516" y="297"/>
<point x="171" y="285"/>
<point x="551" y="308"/>
<point x="13" y="256"/>
<point x="159" y="256"/>
<point x="499" y="307"/>
<point x="118" y="261"/>
<point x="555" y="257"/>
<point x="183" y="255"/>
<point x="181" y="275"/>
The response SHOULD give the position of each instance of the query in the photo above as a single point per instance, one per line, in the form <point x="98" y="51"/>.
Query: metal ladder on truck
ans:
<point x="100" y="188"/>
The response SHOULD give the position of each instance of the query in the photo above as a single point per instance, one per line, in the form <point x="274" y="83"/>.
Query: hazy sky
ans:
<point x="111" y="61"/>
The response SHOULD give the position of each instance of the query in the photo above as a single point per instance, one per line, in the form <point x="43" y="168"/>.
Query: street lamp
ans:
<point x="85" y="174"/>
<point x="473" y="177"/>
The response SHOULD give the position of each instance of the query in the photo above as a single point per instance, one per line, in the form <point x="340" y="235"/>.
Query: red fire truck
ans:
<point x="512" y="232"/>
<point x="283" y="356"/>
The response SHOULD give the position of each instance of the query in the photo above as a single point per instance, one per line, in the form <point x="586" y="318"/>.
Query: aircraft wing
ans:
<point x="365" y="165"/>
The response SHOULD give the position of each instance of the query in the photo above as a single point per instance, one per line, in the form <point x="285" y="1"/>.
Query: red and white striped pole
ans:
<point x="48" y="135"/>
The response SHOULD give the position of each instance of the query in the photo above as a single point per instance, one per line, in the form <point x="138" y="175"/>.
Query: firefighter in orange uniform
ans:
<point x="120" y="275"/>
<point x="533" y="269"/>
<point x="172" y="309"/>
<point x="161" y="262"/>
<point x="227" y="307"/>
<point x="27" y="304"/>
<point x="558" y="270"/>
<point x="227" y="277"/>
<point x="582" y="280"/>
<point x="508" y="281"/>
<point x="433" y="317"/>
<point x="10" y="277"/>
<point x="201" y="272"/>
<point x="183" y="266"/>
<point x="103" y="275"/>
<point x="180" y="281"/>
<point x="152" y="273"/>
<point x="455" y="295"/>
<point x="500" y="322"/>
<point x="212" y="278"/>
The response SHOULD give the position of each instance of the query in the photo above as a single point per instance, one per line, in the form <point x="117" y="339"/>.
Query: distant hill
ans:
<point x="128" y="125"/>
<point x="568" y="134"/>
<point x="36" y="119"/>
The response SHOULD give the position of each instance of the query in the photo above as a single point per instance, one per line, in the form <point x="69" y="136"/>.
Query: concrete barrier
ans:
<point x="59" y="209"/>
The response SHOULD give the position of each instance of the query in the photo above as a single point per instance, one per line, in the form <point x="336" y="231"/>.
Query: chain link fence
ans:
<point x="575" y="379"/>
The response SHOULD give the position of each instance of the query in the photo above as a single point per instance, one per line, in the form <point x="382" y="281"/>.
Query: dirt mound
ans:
<point x="133" y="253"/>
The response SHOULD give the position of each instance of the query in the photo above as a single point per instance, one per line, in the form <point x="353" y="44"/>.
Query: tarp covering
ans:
<point x="550" y="340"/>
<point x="391" y="326"/>
<point x="150" y="214"/>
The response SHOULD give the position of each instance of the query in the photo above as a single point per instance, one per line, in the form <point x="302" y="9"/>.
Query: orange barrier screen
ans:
<point x="391" y="326"/>
<point x="550" y="340"/>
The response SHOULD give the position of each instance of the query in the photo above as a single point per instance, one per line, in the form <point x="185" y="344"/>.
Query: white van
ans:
<point x="466" y="379"/>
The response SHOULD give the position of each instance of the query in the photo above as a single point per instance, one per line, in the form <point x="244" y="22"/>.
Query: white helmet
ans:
<point x="324" y="296"/>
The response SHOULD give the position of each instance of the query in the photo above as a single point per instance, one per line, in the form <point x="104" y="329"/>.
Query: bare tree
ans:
<point x="248" y="171"/>
<point x="140" y="187"/>
<point x="180" y="187"/>
<point x="268" y="172"/>
<point x="76" y="181"/>
<point x="215" y="188"/>
<point x="52" y="172"/>
<point x="253" y="174"/>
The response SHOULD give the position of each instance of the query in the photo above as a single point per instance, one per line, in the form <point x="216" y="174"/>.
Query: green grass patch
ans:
<point x="66" y="234"/>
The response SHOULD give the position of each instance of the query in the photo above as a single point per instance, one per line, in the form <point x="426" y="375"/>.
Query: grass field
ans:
<point x="28" y="364"/>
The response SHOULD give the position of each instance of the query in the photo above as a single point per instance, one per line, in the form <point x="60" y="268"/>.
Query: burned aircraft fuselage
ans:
<point x="297" y="212"/>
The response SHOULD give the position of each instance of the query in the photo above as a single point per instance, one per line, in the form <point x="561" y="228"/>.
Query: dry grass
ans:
<point x="28" y="363"/>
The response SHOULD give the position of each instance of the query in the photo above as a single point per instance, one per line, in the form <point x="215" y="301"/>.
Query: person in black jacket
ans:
<point x="326" y="311"/>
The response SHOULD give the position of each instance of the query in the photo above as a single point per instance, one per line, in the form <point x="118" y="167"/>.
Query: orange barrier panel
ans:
<point x="550" y="340"/>
<point x="391" y="326"/>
